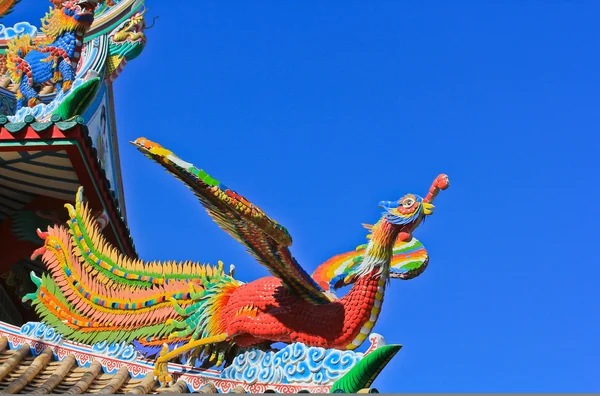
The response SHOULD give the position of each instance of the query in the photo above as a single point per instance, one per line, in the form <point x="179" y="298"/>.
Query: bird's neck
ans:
<point x="380" y="249"/>
<point x="362" y="304"/>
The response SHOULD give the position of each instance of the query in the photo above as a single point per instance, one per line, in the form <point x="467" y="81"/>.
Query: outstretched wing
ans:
<point x="409" y="260"/>
<point x="263" y="237"/>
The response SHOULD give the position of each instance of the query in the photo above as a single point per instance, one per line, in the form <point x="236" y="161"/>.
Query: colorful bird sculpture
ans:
<point x="94" y="293"/>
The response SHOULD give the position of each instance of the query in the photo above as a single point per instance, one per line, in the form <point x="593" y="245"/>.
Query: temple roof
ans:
<point x="36" y="359"/>
<point x="22" y="372"/>
<point x="53" y="159"/>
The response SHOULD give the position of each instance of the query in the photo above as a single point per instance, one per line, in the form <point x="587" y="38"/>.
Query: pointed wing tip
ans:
<point x="143" y="144"/>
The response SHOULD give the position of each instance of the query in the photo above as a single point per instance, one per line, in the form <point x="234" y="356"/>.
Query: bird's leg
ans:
<point x="161" y="369"/>
<point x="66" y="72"/>
<point x="440" y="183"/>
<point x="30" y="95"/>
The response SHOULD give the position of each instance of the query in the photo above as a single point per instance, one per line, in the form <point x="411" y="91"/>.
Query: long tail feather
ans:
<point x="93" y="293"/>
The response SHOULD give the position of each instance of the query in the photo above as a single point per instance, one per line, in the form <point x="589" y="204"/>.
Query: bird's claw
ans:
<point x="67" y="86"/>
<point x="162" y="375"/>
<point x="33" y="102"/>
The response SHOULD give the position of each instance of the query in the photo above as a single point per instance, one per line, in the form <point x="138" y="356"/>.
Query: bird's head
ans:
<point x="409" y="211"/>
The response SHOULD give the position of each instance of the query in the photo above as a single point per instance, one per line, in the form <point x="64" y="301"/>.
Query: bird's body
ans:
<point x="281" y="316"/>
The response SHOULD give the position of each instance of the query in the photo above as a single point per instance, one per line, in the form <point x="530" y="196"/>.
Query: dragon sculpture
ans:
<point x="126" y="43"/>
<point x="33" y="64"/>
<point x="200" y="312"/>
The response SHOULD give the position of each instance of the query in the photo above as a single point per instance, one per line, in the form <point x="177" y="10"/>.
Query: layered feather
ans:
<point x="263" y="237"/>
<point x="93" y="293"/>
<point x="409" y="260"/>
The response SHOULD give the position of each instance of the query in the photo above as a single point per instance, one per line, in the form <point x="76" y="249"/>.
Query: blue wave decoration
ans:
<point x="43" y="111"/>
<point x="18" y="29"/>
<point x="295" y="363"/>
<point x="120" y="351"/>
<point x="41" y="331"/>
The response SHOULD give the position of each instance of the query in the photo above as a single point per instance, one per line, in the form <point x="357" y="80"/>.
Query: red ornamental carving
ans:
<point x="224" y="386"/>
<point x="38" y="347"/>
<point x="61" y="353"/>
<point x="83" y="358"/>
<point x="375" y="341"/>
<point x="257" y="388"/>
<point x="16" y="340"/>
<point x="111" y="364"/>
<point x="195" y="382"/>
<point x="137" y="370"/>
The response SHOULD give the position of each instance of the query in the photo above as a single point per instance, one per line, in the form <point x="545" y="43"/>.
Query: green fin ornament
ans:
<point x="366" y="370"/>
<point x="78" y="100"/>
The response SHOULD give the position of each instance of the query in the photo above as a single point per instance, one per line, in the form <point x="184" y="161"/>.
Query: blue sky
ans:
<point x="316" y="111"/>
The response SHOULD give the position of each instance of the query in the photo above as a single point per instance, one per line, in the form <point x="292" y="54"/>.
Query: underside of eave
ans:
<point x="52" y="162"/>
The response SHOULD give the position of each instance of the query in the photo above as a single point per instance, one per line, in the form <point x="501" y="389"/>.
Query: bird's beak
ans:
<point x="428" y="208"/>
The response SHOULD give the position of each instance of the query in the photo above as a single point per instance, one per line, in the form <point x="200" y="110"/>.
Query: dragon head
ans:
<point x="409" y="211"/>
<point x="70" y="15"/>
<point x="127" y="41"/>
<point x="132" y="30"/>
<point x="82" y="11"/>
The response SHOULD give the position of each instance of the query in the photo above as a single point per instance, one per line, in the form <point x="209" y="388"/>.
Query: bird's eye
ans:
<point x="408" y="203"/>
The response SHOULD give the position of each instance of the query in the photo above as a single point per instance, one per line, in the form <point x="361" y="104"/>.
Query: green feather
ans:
<point x="78" y="100"/>
<point x="366" y="370"/>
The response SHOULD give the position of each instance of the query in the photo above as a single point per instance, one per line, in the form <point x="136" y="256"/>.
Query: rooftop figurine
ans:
<point x="200" y="312"/>
<point x="34" y="64"/>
